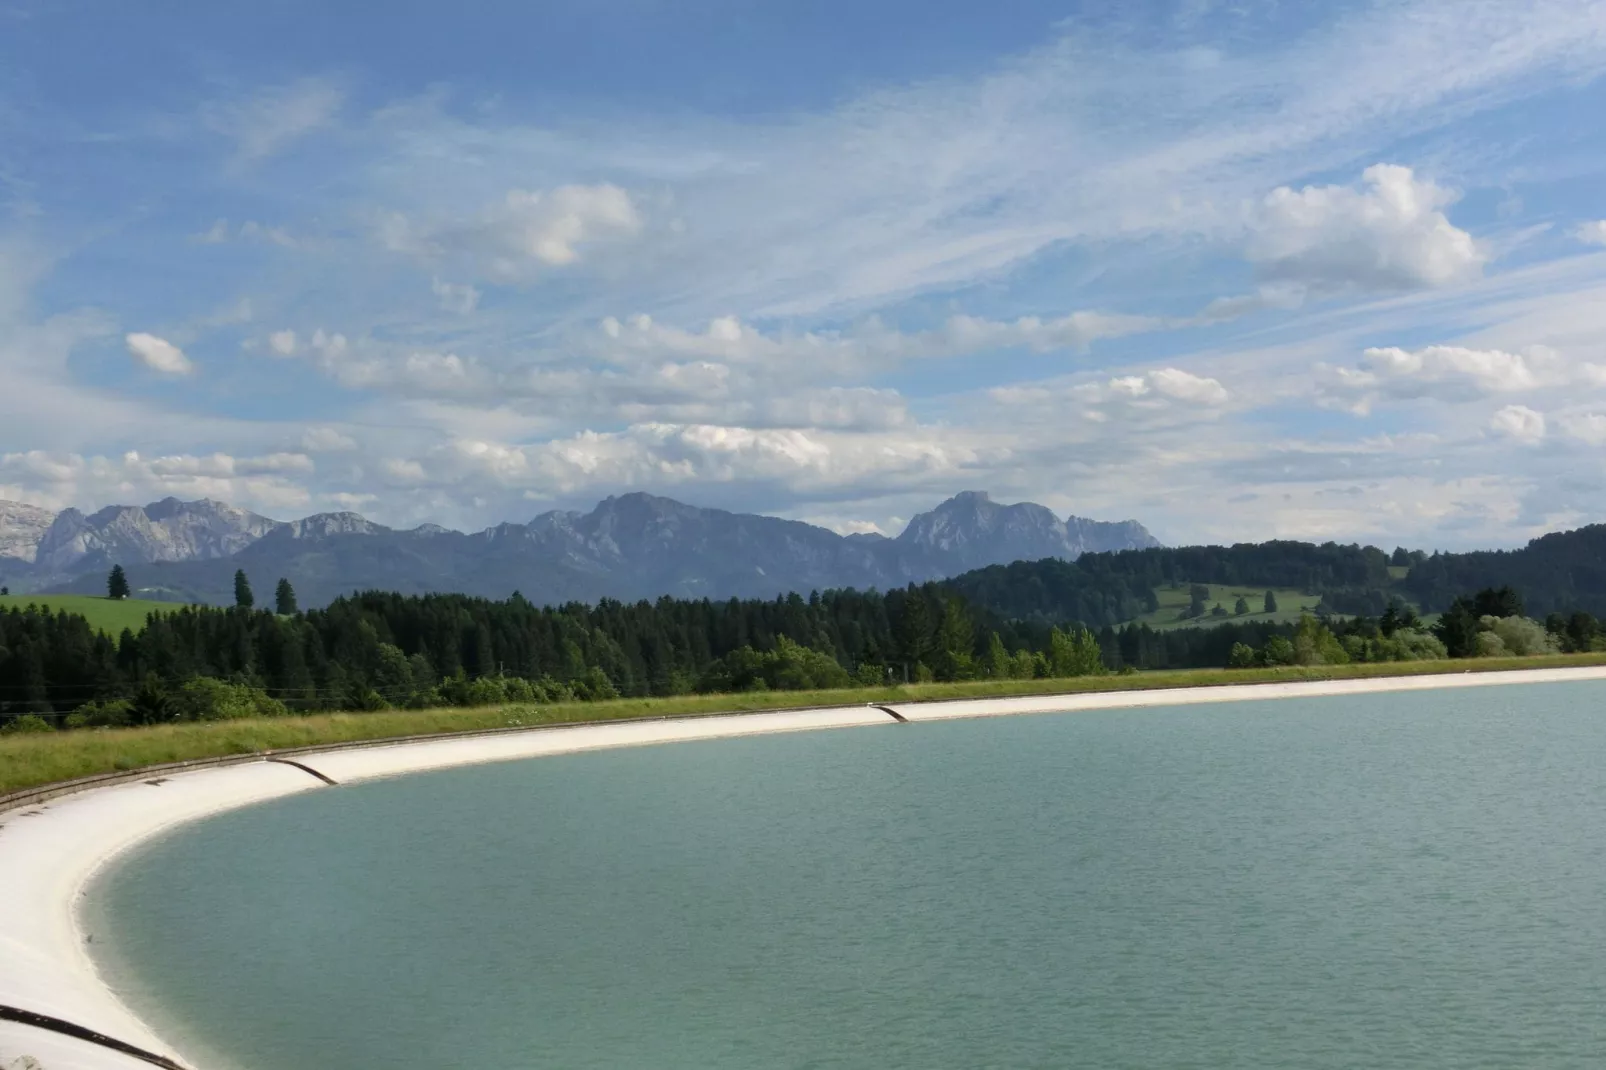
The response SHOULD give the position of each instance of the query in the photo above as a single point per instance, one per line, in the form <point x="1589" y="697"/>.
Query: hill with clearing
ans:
<point x="102" y="613"/>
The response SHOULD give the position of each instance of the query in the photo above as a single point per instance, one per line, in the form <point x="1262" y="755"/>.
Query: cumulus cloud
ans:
<point x="659" y="454"/>
<point x="1185" y="386"/>
<point x="158" y="354"/>
<point x="1588" y="428"/>
<point x="1520" y="423"/>
<point x="267" y="482"/>
<point x="283" y="343"/>
<point x="1593" y="232"/>
<point x="548" y="228"/>
<point x="1445" y="373"/>
<point x="1390" y="234"/>
<point x="326" y="440"/>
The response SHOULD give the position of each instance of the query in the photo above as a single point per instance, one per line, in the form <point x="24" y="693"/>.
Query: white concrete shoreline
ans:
<point x="50" y="851"/>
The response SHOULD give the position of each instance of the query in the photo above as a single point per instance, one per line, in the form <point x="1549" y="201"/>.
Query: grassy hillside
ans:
<point x="104" y="614"/>
<point x="1173" y="600"/>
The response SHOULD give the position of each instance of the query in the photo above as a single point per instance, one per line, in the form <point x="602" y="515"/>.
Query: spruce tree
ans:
<point x="117" y="584"/>
<point x="1271" y="602"/>
<point x="242" y="590"/>
<point x="284" y="598"/>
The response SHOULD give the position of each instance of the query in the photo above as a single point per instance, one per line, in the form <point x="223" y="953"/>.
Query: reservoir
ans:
<point x="1412" y="879"/>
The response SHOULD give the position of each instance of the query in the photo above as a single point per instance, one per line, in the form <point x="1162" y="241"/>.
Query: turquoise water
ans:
<point x="1410" y="880"/>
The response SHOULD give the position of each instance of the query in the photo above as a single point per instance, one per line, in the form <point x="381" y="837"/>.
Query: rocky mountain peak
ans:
<point x="973" y="531"/>
<point x="326" y="525"/>
<point x="21" y="528"/>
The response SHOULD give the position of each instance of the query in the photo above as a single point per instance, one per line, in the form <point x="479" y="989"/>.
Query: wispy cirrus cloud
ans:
<point x="267" y="121"/>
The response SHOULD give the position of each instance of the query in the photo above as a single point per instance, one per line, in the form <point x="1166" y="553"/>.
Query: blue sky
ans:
<point x="1237" y="270"/>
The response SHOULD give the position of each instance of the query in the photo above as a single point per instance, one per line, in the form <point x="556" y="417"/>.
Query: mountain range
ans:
<point x="629" y="547"/>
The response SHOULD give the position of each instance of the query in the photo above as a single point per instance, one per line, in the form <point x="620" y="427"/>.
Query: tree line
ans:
<point x="375" y="650"/>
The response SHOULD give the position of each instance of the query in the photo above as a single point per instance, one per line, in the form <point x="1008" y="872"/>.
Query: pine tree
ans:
<point x="242" y="590"/>
<point x="1271" y="602"/>
<point x="117" y="583"/>
<point x="284" y="599"/>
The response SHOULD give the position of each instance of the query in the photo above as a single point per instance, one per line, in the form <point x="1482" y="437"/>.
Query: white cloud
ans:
<point x="274" y="462"/>
<point x="456" y="297"/>
<point x="88" y="481"/>
<point x="264" y="124"/>
<point x="404" y="471"/>
<point x="283" y="343"/>
<point x="867" y="346"/>
<point x="326" y="440"/>
<point x="1593" y="232"/>
<point x="1588" y="428"/>
<point x="219" y="232"/>
<point x="251" y="230"/>
<point x="1520" y="423"/>
<point x="158" y="354"/>
<point x="1391" y="234"/>
<point x="1445" y="373"/>
<point x="1185" y="386"/>
<point x="550" y="228"/>
<point x="216" y="234"/>
<point x="1132" y="394"/>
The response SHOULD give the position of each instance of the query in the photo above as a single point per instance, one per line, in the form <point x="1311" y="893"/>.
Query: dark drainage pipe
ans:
<point x="890" y="712"/>
<point x="78" y="1032"/>
<point x="305" y="769"/>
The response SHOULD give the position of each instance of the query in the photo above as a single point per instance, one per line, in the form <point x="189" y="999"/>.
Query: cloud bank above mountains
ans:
<point x="1234" y="274"/>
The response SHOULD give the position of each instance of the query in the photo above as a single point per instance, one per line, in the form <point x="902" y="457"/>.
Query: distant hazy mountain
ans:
<point x="970" y="531"/>
<point x="629" y="547"/>
<point x="168" y="530"/>
<point x="21" y="528"/>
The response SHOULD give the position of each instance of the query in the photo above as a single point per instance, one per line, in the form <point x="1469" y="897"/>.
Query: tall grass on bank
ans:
<point x="30" y="760"/>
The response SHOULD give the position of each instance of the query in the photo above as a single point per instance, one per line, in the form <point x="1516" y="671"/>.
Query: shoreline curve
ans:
<point x="51" y="850"/>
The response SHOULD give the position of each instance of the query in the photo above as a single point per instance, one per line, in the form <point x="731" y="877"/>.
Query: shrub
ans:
<point x="1243" y="656"/>
<point x="112" y="713"/>
<point x="1489" y="645"/>
<point x="1314" y="644"/>
<point x="1279" y="650"/>
<point x="205" y="698"/>
<point x="26" y="724"/>
<point x="1522" y="636"/>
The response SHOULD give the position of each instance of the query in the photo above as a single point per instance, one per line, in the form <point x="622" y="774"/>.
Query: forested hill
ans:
<point x="1556" y="573"/>
<point x="1109" y="588"/>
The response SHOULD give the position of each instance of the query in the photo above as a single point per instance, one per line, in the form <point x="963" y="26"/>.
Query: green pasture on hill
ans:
<point x="102" y="613"/>
<point x="1174" y="600"/>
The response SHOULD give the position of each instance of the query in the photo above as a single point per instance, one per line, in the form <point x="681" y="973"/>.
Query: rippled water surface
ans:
<point x="1409" y="880"/>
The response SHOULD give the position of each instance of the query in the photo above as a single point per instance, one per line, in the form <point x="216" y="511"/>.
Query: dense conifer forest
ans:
<point x="376" y="650"/>
<point x="1045" y="618"/>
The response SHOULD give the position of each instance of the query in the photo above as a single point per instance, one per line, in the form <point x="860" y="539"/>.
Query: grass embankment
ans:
<point x="29" y="760"/>
<point x="103" y="614"/>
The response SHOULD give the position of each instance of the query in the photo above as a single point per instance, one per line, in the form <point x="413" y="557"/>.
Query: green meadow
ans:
<point x="102" y="613"/>
<point x="1174" y="600"/>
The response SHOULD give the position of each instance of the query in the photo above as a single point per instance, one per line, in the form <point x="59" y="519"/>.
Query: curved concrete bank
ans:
<point x="50" y="851"/>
